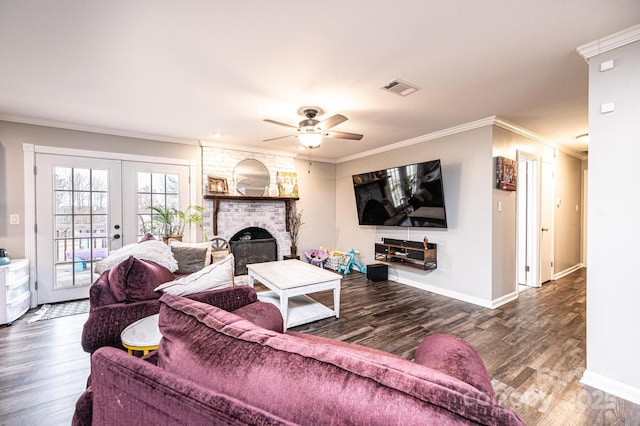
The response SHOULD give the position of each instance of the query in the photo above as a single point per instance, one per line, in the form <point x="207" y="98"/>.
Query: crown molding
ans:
<point x="419" y="139"/>
<point x="613" y="41"/>
<point x="222" y="145"/>
<point x="489" y="121"/>
<point x="94" y="129"/>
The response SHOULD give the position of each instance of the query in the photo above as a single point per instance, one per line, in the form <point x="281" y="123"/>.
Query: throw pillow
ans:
<point x="216" y="275"/>
<point x="204" y="245"/>
<point x="190" y="259"/>
<point x="134" y="280"/>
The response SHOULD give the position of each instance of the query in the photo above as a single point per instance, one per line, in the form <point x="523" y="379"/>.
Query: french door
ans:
<point x="79" y="220"/>
<point x="87" y="207"/>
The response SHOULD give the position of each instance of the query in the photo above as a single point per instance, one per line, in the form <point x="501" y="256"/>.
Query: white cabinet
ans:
<point x="14" y="290"/>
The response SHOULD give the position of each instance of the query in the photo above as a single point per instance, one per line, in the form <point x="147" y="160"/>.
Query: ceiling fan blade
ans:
<point x="332" y="121"/>
<point x="344" y="135"/>
<point x="280" y="124"/>
<point x="276" y="138"/>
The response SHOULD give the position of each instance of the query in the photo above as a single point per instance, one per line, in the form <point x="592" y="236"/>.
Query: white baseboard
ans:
<point x="504" y="299"/>
<point x="448" y="293"/>
<point x="611" y="386"/>
<point x="568" y="271"/>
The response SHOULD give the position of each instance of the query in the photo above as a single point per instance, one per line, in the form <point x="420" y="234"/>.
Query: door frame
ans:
<point x="29" y="158"/>
<point x="530" y="240"/>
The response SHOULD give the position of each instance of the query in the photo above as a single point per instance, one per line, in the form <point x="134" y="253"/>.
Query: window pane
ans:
<point x="99" y="202"/>
<point x="172" y="184"/>
<point x="81" y="179"/>
<point x="99" y="180"/>
<point x="63" y="226"/>
<point x="144" y="182"/>
<point x="81" y="203"/>
<point x="62" y="202"/>
<point x="64" y="275"/>
<point x="62" y="178"/>
<point x="158" y="200"/>
<point x="144" y="203"/>
<point x="173" y="201"/>
<point x="144" y="224"/>
<point x="157" y="183"/>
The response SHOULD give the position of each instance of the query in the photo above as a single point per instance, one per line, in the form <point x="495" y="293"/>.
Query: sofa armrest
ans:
<point x="455" y="357"/>
<point x="129" y="390"/>
<point x="105" y="323"/>
<point x="100" y="294"/>
<point x="228" y="298"/>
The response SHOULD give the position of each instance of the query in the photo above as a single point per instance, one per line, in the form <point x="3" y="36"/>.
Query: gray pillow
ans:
<point x="190" y="259"/>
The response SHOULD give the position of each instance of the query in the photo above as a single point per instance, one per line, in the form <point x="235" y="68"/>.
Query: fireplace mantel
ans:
<point x="288" y="202"/>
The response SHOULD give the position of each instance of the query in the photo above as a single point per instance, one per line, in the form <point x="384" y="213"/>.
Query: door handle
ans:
<point x="545" y="229"/>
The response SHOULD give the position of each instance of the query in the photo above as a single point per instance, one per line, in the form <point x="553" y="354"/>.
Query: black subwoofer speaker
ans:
<point x="377" y="272"/>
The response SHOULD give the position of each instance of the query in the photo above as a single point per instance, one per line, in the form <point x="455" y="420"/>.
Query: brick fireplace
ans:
<point x="234" y="213"/>
<point x="234" y="216"/>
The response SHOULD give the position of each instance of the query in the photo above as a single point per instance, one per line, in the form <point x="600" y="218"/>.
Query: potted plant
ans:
<point x="295" y="222"/>
<point x="171" y="222"/>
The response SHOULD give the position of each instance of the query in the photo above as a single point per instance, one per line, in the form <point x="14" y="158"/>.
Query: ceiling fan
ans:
<point x="311" y="131"/>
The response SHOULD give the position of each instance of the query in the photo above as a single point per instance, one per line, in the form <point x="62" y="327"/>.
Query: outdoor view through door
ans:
<point x="88" y="207"/>
<point x="81" y="227"/>
<point x="158" y="190"/>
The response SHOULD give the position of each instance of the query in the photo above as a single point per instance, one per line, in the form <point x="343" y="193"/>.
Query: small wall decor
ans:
<point x="218" y="185"/>
<point x="506" y="174"/>
<point x="287" y="184"/>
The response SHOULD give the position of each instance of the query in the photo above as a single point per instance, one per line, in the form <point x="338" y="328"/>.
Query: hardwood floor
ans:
<point x="534" y="349"/>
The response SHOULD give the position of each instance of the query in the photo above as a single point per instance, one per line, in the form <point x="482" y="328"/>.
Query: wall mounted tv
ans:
<point x="409" y="195"/>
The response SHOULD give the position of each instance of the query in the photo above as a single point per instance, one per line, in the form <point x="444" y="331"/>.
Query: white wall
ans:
<point x="613" y="290"/>
<point x="464" y="249"/>
<point x="13" y="135"/>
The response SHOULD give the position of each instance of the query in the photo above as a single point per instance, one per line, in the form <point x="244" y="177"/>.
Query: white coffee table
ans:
<point x="290" y="281"/>
<point x="142" y="335"/>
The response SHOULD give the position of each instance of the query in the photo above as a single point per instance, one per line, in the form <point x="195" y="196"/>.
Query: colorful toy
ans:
<point x="348" y="261"/>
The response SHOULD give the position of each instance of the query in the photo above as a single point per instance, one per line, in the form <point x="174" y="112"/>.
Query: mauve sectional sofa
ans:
<point x="124" y="294"/>
<point x="216" y="367"/>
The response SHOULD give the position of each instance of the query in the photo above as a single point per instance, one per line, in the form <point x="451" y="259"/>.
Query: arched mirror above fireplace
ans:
<point x="251" y="178"/>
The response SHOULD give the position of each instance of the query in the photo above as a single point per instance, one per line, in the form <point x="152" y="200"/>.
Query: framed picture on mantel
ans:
<point x="218" y="185"/>
<point x="287" y="184"/>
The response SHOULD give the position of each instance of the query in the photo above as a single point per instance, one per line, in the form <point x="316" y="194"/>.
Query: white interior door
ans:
<point x="78" y="219"/>
<point x="547" y="196"/>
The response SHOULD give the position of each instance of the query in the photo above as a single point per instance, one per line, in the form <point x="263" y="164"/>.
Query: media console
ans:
<point x="410" y="253"/>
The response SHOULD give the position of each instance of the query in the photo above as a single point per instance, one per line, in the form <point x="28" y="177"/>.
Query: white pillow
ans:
<point x="206" y="244"/>
<point x="153" y="250"/>
<point x="216" y="275"/>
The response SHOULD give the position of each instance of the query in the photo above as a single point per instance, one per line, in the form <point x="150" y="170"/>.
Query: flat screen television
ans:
<point x="410" y="195"/>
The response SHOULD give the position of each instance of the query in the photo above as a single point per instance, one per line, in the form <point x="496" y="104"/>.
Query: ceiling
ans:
<point x="184" y="71"/>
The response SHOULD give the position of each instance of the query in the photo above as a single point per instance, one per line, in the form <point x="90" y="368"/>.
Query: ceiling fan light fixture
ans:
<point x="310" y="137"/>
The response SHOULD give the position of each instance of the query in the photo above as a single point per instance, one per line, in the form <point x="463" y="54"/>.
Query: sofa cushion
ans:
<point x="134" y="280"/>
<point x="303" y="381"/>
<point x="216" y="275"/>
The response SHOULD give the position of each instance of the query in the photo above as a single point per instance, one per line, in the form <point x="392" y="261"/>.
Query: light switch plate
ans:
<point x="14" y="219"/>
<point x="608" y="107"/>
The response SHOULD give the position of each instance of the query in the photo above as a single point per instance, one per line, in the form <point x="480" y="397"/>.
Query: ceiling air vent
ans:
<point x="400" y="87"/>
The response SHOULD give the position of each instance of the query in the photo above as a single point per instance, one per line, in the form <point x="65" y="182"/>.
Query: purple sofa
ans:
<point x="216" y="367"/>
<point x="110" y="312"/>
